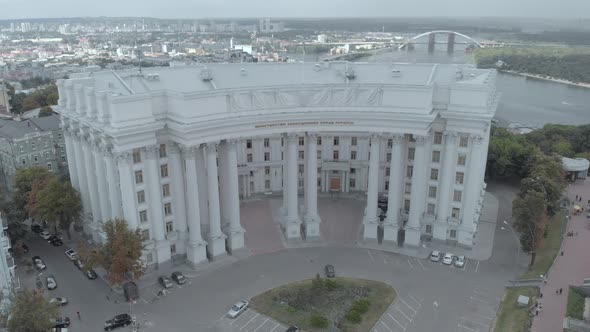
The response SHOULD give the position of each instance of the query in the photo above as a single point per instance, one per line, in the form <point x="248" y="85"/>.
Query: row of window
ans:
<point x="139" y="174"/>
<point x="145" y="233"/>
<point x="165" y="193"/>
<point x="143" y="215"/>
<point x="452" y="232"/>
<point x="137" y="153"/>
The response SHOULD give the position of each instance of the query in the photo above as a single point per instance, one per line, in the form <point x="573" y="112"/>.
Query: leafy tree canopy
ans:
<point x="31" y="312"/>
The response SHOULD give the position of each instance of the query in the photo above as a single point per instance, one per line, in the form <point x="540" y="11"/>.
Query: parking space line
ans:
<point x="411" y="266"/>
<point x="370" y="255"/>
<point x="419" y="262"/>
<point x="480" y="300"/>
<point x="275" y="327"/>
<point x="417" y="302"/>
<point x="387" y="327"/>
<point x="409" y="306"/>
<point x="240" y="316"/>
<point x="485" y="317"/>
<point x="465" y="266"/>
<point x="478" y="292"/>
<point x="477" y="267"/>
<point x="474" y="322"/>
<point x="467" y="328"/>
<point x="395" y="320"/>
<point x="408" y="318"/>
<point x="257" y="314"/>
<point x="259" y="326"/>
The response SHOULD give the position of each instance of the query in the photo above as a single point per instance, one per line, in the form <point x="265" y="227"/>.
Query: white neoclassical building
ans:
<point x="173" y="150"/>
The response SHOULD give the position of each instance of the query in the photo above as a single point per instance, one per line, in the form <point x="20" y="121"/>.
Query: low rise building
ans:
<point x="8" y="280"/>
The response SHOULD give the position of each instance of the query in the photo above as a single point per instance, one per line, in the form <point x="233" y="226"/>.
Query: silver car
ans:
<point x="237" y="309"/>
<point x="460" y="261"/>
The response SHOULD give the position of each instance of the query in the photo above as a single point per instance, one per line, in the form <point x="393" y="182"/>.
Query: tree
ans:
<point x="530" y="219"/>
<point x="33" y="195"/>
<point x="120" y="254"/>
<point x="31" y="312"/>
<point x="45" y="111"/>
<point x="23" y="183"/>
<point x="30" y="103"/>
<point x="59" y="204"/>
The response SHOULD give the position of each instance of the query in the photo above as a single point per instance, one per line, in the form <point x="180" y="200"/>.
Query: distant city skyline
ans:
<point x="184" y="9"/>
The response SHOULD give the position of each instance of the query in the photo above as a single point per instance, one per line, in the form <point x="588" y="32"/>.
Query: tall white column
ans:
<point x="127" y="185"/>
<point x="114" y="184"/>
<point x="71" y="157"/>
<point x="370" y="221"/>
<point x="203" y="190"/>
<point x="216" y="239"/>
<point x="154" y="195"/>
<point x="178" y="199"/>
<point x="418" y="196"/>
<point x="223" y="172"/>
<point x="92" y="188"/>
<point x="196" y="247"/>
<point x="391" y="225"/>
<point x="285" y="172"/>
<point x="312" y="218"/>
<point x="82" y="178"/>
<point x="447" y="182"/>
<point x="472" y="191"/>
<point x="235" y="232"/>
<point x="103" y="193"/>
<point x="293" y="222"/>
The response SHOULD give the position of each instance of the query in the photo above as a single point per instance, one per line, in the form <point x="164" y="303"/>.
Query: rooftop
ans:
<point x="11" y="129"/>
<point x="201" y="78"/>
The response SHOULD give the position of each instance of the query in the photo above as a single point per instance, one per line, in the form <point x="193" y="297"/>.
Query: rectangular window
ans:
<point x="166" y="190"/>
<point x="164" y="170"/>
<point x="301" y="141"/>
<point x="267" y="156"/>
<point x="406" y="205"/>
<point x="387" y="171"/>
<point x="352" y="183"/>
<point x="143" y="216"/>
<point x="434" y="174"/>
<point x="428" y="229"/>
<point x="249" y="157"/>
<point x="267" y="170"/>
<point x="163" y="151"/>
<point x="388" y="157"/>
<point x="49" y="166"/>
<point x="336" y="140"/>
<point x="432" y="192"/>
<point x="386" y="185"/>
<point x="248" y="144"/>
<point x="459" y="177"/>
<point x="455" y="212"/>
<point x="457" y="196"/>
<point x="453" y="233"/>
<point x="282" y="141"/>
<point x="32" y="145"/>
<point x="436" y="156"/>
<point x="335" y="155"/>
<point x="353" y="141"/>
<point x="411" y="153"/>
<point x="145" y="234"/>
<point x="23" y="161"/>
<point x="267" y="142"/>
<point x="463" y="141"/>
<point x="389" y="143"/>
<point x="438" y="137"/>
<point x="173" y="249"/>
<point x="300" y="183"/>
<point x="46" y="155"/>
<point x="410" y="171"/>
<point x="169" y="227"/>
<point x="319" y="140"/>
<point x="353" y="171"/>
<point x="300" y="169"/>
<point x="149" y="258"/>
<point x="167" y="209"/>
<point x="430" y="209"/>
<point x="352" y="155"/>
<point x="36" y="158"/>
<point x="136" y="156"/>
<point x="319" y="154"/>
<point x="301" y="154"/>
<point x="140" y="197"/>
<point x="138" y="177"/>
<point x="267" y="184"/>
<point x="408" y="188"/>
<point x="461" y="159"/>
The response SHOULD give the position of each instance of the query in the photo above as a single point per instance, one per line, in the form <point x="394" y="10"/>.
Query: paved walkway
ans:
<point x="569" y="269"/>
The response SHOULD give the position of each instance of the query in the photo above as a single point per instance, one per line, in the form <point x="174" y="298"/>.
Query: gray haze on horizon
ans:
<point x="13" y="9"/>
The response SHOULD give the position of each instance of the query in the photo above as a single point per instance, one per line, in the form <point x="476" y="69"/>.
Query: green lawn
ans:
<point x="336" y="303"/>
<point x="549" y="248"/>
<point x="512" y="318"/>
<point x="575" y="304"/>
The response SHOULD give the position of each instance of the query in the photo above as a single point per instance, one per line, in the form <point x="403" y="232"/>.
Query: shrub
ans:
<point x="362" y="306"/>
<point x="330" y="284"/>
<point x="291" y="310"/>
<point x="353" y="316"/>
<point x="575" y="304"/>
<point x="319" y="321"/>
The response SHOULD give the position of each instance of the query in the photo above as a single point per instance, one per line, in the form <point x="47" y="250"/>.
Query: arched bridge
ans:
<point x="432" y="39"/>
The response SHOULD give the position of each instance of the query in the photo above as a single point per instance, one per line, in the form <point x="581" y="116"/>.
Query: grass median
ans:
<point x="511" y="317"/>
<point x="549" y="248"/>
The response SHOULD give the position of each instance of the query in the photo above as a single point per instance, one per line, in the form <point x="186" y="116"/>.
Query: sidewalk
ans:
<point x="569" y="269"/>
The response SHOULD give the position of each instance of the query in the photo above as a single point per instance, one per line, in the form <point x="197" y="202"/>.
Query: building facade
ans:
<point x="30" y="142"/>
<point x="172" y="150"/>
<point x="8" y="280"/>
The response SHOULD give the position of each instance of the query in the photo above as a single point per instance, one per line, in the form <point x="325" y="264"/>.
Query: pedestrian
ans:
<point x="541" y="295"/>
<point x="537" y="312"/>
<point x="576" y="197"/>
<point x="562" y="253"/>
<point x="560" y="290"/>
<point x="557" y="291"/>
<point x="580" y="199"/>
<point x="78" y="314"/>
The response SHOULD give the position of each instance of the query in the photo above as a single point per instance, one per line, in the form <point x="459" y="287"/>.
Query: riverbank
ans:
<point x="547" y="78"/>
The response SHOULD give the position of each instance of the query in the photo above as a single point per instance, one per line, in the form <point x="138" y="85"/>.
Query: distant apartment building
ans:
<point x="4" y="99"/>
<point x="267" y="26"/>
<point x="32" y="142"/>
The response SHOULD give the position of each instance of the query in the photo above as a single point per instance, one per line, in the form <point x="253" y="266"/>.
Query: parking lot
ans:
<point x="251" y="321"/>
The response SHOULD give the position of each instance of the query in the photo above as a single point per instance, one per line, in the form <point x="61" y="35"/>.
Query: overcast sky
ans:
<point x="11" y="9"/>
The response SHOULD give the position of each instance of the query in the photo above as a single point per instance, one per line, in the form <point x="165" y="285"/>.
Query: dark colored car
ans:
<point x="61" y="322"/>
<point x="292" y="329"/>
<point x="131" y="291"/>
<point x="91" y="274"/>
<point x="165" y="282"/>
<point x="330" y="271"/>
<point x="36" y="228"/>
<point x="55" y="241"/>
<point x="178" y="277"/>
<point x="117" y="321"/>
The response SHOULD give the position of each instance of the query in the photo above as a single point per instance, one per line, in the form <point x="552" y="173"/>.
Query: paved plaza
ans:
<point x="569" y="269"/>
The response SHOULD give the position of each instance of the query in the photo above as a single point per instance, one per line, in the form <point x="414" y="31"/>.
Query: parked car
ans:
<point x="36" y="228"/>
<point x="51" y="283"/>
<point x="460" y="261"/>
<point x="117" y="321"/>
<point x="61" y="322"/>
<point x="330" y="271"/>
<point x="91" y="274"/>
<point x="38" y="262"/>
<point x="79" y="264"/>
<point x="59" y="300"/>
<point x="178" y="277"/>
<point x="435" y="256"/>
<point x="237" y="309"/>
<point x="448" y="258"/>
<point x="165" y="282"/>
<point x="56" y="241"/>
<point x="45" y="235"/>
<point x="292" y="329"/>
<point x="71" y="254"/>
